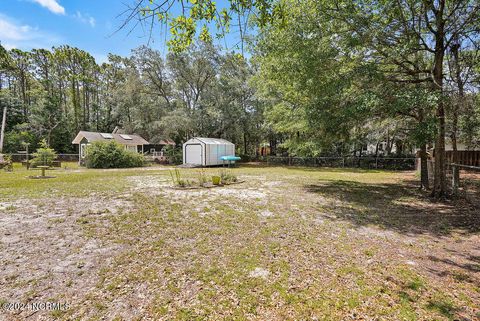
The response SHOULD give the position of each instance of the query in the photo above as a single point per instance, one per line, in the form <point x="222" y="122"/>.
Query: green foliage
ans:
<point x="199" y="92"/>
<point x="470" y="123"/>
<point x="14" y="140"/>
<point x="202" y="177"/>
<point x="15" y="107"/>
<point x="183" y="18"/>
<point x="227" y="177"/>
<point x="7" y="163"/>
<point x="111" y="155"/>
<point x="216" y="180"/>
<point x="46" y="117"/>
<point x="174" y="154"/>
<point x="44" y="156"/>
<point x="178" y="180"/>
<point x="315" y="93"/>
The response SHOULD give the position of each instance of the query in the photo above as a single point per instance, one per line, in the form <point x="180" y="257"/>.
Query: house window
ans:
<point x="131" y="148"/>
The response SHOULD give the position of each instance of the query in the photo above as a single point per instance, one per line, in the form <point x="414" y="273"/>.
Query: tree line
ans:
<point x="53" y="94"/>
<point x="324" y="78"/>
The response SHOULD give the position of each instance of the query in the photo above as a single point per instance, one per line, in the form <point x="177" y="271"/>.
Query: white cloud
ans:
<point x="85" y="18"/>
<point x="51" y="5"/>
<point x="16" y="35"/>
<point x="9" y="46"/>
<point x="11" y="31"/>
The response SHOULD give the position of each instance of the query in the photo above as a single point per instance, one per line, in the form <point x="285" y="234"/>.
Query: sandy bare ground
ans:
<point x="125" y="255"/>
<point x="44" y="248"/>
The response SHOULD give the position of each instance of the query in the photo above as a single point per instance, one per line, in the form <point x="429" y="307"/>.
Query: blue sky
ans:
<point x="87" y="24"/>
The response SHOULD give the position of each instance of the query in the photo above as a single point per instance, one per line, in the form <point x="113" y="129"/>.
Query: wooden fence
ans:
<point x="464" y="157"/>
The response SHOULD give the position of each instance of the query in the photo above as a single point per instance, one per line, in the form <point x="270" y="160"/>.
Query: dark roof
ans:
<point x="161" y="141"/>
<point x="120" y="138"/>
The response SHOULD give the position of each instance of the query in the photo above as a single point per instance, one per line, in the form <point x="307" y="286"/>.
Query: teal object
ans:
<point x="230" y="158"/>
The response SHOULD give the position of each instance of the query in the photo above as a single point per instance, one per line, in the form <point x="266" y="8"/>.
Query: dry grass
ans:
<point x="289" y="243"/>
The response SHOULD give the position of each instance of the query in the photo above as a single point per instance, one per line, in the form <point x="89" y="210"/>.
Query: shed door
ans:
<point x="193" y="154"/>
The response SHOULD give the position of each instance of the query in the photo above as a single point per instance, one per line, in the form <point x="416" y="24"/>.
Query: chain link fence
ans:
<point x="391" y="163"/>
<point x="17" y="158"/>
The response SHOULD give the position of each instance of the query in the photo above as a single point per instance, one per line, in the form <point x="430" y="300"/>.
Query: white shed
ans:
<point x="206" y="151"/>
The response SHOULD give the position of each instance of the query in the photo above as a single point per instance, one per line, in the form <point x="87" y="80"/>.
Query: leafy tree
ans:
<point x="44" y="155"/>
<point x="46" y="117"/>
<point x="315" y="93"/>
<point x="15" y="138"/>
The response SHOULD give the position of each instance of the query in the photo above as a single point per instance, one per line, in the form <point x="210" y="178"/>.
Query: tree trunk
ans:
<point x="457" y="107"/>
<point x="399" y="145"/>
<point x="245" y="143"/>
<point x="424" y="183"/>
<point x="49" y="136"/>
<point x="387" y="147"/>
<point x="440" y="177"/>
<point x="2" y="130"/>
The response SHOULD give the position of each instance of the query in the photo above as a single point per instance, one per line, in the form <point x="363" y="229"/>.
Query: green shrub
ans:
<point x="111" y="155"/>
<point x="178" y="180"/>
<point x="227" y="177"/>
<point x="202" y="177"/>
<point x="175" y="155"/>
<point x="44" y="156"/>
<point x="7" y="163"/>
<point x="216" y="180"/>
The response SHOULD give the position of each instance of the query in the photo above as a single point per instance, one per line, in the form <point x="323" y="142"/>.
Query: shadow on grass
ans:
<point x="471" y="266"/>
<point x="399" y="207"/>
<point x="445" y="308"/>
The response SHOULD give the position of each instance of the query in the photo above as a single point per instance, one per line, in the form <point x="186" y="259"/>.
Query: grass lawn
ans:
<point x="287" y="243"/>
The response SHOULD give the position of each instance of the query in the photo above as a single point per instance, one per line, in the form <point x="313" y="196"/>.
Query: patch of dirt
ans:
<point x="44" y="253"/>
<point x="149" y="182"/>
<point x="259" y="273"/>
<point x="266" y="213"/>
<point x="245" y="194"/>
<point x="273" y="183"/>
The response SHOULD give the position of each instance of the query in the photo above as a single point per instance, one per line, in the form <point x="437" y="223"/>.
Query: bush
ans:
<point x="227" y="177"/>
<point x="44" y="156"/>
<point x="7" y="164"/>
<point x="174" y="154"/>
<point x="111" y="155"/>
<point x="178" y="180"/>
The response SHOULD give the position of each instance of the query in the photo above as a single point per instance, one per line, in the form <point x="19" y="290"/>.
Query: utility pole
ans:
<point x="2" y="133"/>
